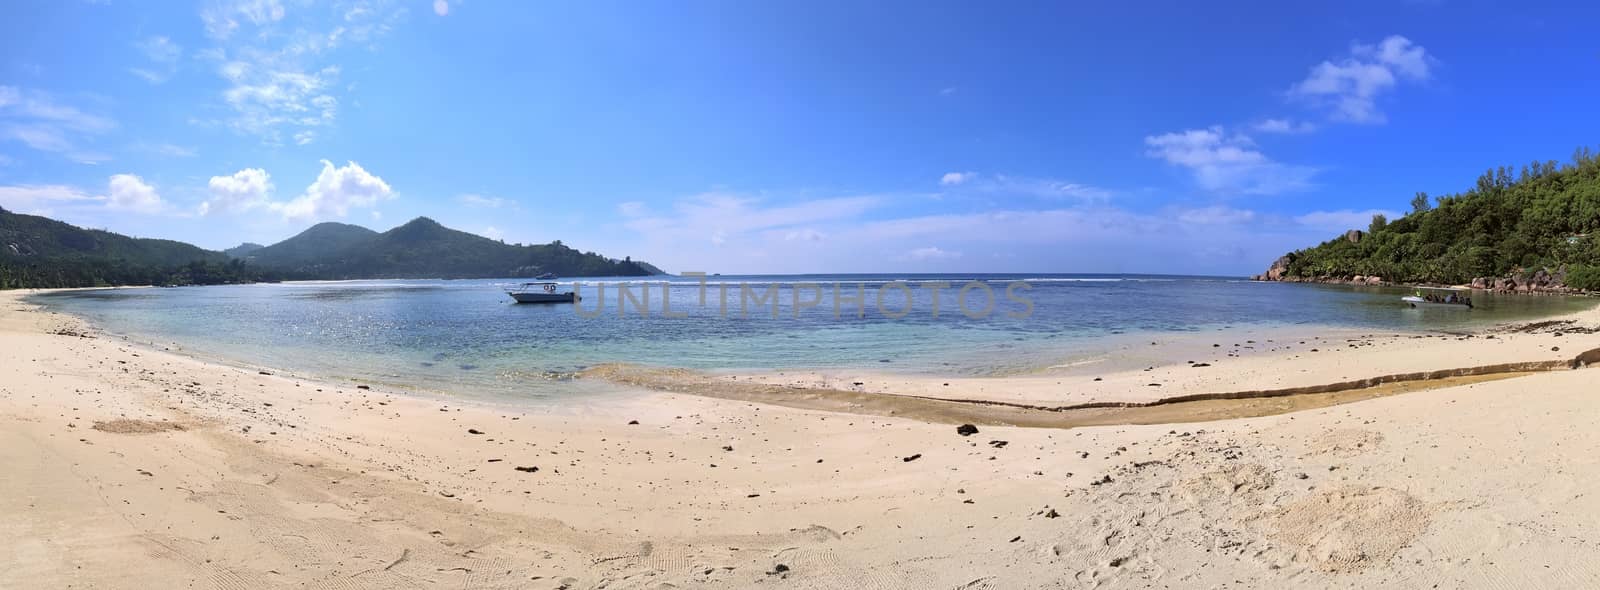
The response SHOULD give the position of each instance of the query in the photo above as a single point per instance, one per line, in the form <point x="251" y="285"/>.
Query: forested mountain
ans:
<point x="41" y="252"/>
<point x="1541" y="220"/>
<point x="424" y="249"/>
<point x="242" y="250"/>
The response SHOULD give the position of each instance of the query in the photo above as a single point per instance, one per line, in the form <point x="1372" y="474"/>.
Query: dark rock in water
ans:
<point x="730" y="448"/>
<point x="1098" y="379"/>
<point x="528" y="469"/>
<point x="474" y="431"/>
<point x="911" y="458"/>
<point x="439" y="356"/>
<point x="425" y="364"/>
<point x="883" y="360"/>
<point x="1197" y="365"/>
<point x="633" y="422"/>
<point x="1015" y="539"/>
<point x="468" y="367"/>
<point x="363" y="387"/>
<point x="966" y="430"/>
<point x="999" y="444"/>
<point x="263" y="373"/>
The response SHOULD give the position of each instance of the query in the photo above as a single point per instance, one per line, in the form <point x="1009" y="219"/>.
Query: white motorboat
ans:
<point x="542" y="292"/>
<point x="1442" y="298"/>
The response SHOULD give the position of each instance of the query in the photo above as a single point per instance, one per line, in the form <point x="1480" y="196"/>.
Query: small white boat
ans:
<point x="1442" y="298"/>
<point x="542" y="292"/>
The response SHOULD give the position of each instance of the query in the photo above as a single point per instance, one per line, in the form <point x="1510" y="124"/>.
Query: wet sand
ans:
<point x="135" y="468"/>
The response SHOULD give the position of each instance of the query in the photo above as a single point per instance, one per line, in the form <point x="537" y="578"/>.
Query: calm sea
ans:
<point x="466" y="337"/>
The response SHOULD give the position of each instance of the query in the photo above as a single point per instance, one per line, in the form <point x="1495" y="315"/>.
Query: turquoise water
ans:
<point x="466" y="337"/>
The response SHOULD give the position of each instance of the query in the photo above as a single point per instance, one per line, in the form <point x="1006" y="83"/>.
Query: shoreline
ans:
<point x="207" y="475"/>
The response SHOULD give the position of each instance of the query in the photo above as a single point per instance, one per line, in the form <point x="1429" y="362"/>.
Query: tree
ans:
<point x="1420" y="203"/>
<point x="1378" y="222"/>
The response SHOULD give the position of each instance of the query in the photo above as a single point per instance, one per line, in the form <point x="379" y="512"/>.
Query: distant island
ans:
<point x="1532" y="231"/>
<point x="39" y="252"/>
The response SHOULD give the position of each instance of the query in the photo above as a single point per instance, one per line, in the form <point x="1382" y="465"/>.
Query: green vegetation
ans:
<point x="1545" y="217"/>
<point x="37" y="252"/>
<point x="424" y="249"/>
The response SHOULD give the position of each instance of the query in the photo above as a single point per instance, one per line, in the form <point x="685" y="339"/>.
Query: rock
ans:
<point x="966" y="430"/>
<point x="1353" y="236"/>
<point x="528" y="469"/>
<point x="727" y="447"/>
<point x="474" y="431"/>
<point x="363" y="387"/>
<point x="1198" y="365"/>
<point x="633" y="422"/>
<point x="999" y="444"/>
<point x="911" y="458"/>
<point x="1052" y="514"/>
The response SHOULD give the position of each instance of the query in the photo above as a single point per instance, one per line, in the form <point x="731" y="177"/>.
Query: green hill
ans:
<point x="38" y="252"/>
<point x="1527" y="230"/>
<point x="422" y="248"/>
<point x="242" y="250"/>
<point x="41" y="252"/>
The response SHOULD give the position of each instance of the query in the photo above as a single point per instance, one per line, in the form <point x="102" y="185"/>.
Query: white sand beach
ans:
<point x="133" y="468"/>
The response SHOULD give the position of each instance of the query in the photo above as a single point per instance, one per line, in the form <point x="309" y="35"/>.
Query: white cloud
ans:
<point x="1284" y="126"/>
<point x="1227" y="163"/>
<point x="1005" y="185"/>
<point x="43" y="123"/>
<point x="129" y="192"/>
<point x="931" y="253"/>
<point x="223" y="18"/>
<point x="956" y="178"/>
<point x="1350" y="86"/>
<point x="163" y="55"/>
<point x="441" y="7"/>
<point x="1342" y="220"/>
<point x="36" y="198"/>
<point x="282" y="81"/>
<point x="485" y="202"/>
<point x="494" y="233"/>
<point x="336" y="191"/>
<point x="244" y="190"/>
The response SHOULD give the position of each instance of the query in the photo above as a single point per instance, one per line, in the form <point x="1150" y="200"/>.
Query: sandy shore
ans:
<point x="132" y="468"/>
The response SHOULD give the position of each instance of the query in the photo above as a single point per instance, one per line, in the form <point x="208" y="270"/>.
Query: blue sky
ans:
<point x="735" y="137"/>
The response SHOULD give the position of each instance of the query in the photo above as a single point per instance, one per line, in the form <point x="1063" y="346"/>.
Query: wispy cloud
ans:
<point x="166" y="150"/>
<point x="1283" y="126"/>
<point x="1008" y="185"/>
<point x="1349" y="87"/>
<point x="45" y="123"/>
<point x="485" y="202"/>
<point x="1227" y="163"/>
<point x="162" y="55"/>
<point x="279" y="62"/>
